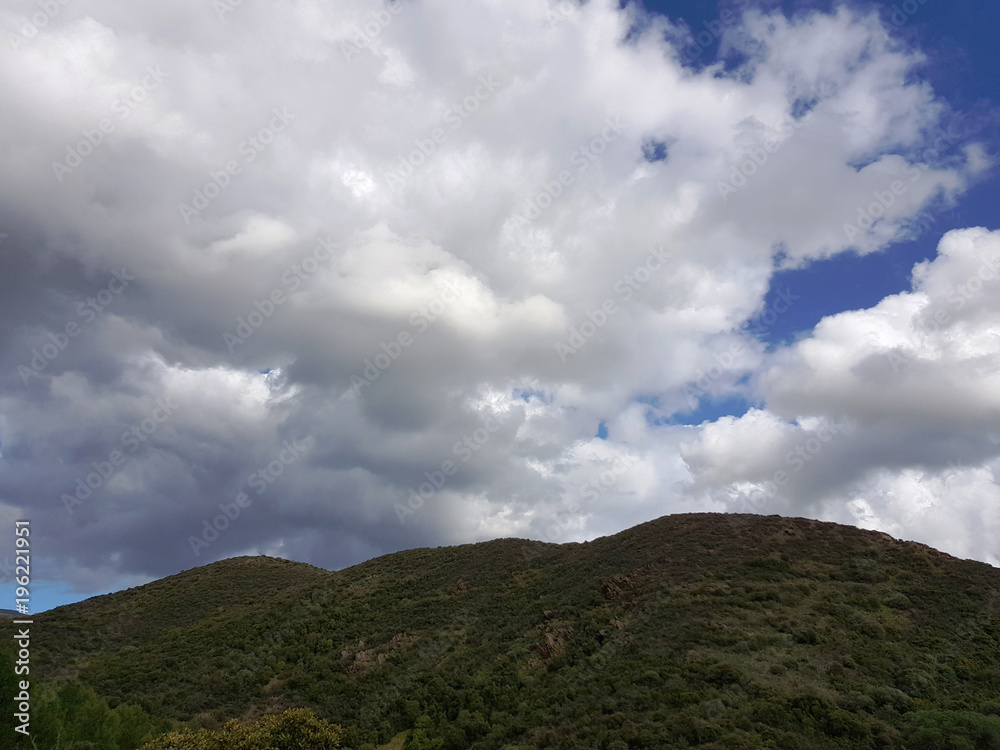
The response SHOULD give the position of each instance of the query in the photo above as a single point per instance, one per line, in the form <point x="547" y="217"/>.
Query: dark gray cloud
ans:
<point x="375" y="251"/>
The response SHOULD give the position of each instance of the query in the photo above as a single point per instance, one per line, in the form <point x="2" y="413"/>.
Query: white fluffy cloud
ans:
<point x="481" y="170"/>
<point x="912" y="385"/>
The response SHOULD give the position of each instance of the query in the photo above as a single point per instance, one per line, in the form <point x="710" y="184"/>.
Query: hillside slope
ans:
<point x="699" y="630"/>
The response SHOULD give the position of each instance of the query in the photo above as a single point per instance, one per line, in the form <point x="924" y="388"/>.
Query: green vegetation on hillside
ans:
<point x="70" y="716"/>
<point x="711" y="631"/>
<point x="290" y="730"/>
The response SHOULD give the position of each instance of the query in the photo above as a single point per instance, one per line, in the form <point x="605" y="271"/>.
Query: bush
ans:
<point x="295" y="729"/>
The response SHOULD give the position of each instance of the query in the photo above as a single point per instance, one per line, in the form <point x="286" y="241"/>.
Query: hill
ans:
<point x="698" y="630"/>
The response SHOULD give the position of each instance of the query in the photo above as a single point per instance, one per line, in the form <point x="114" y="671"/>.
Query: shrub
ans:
<point x="295" y="729"/>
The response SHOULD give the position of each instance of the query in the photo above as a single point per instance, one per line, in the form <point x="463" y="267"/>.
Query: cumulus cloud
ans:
<point x="912" y="384"/>
<point x="429" y="240"/>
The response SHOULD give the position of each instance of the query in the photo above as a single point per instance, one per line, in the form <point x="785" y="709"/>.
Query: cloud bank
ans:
<point x="334" y="280"/>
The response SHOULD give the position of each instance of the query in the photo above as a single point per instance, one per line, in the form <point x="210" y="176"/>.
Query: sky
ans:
<point x="325" y="281"/>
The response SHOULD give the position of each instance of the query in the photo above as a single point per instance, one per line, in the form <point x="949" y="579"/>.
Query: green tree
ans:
<point x="420" y="739"/>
